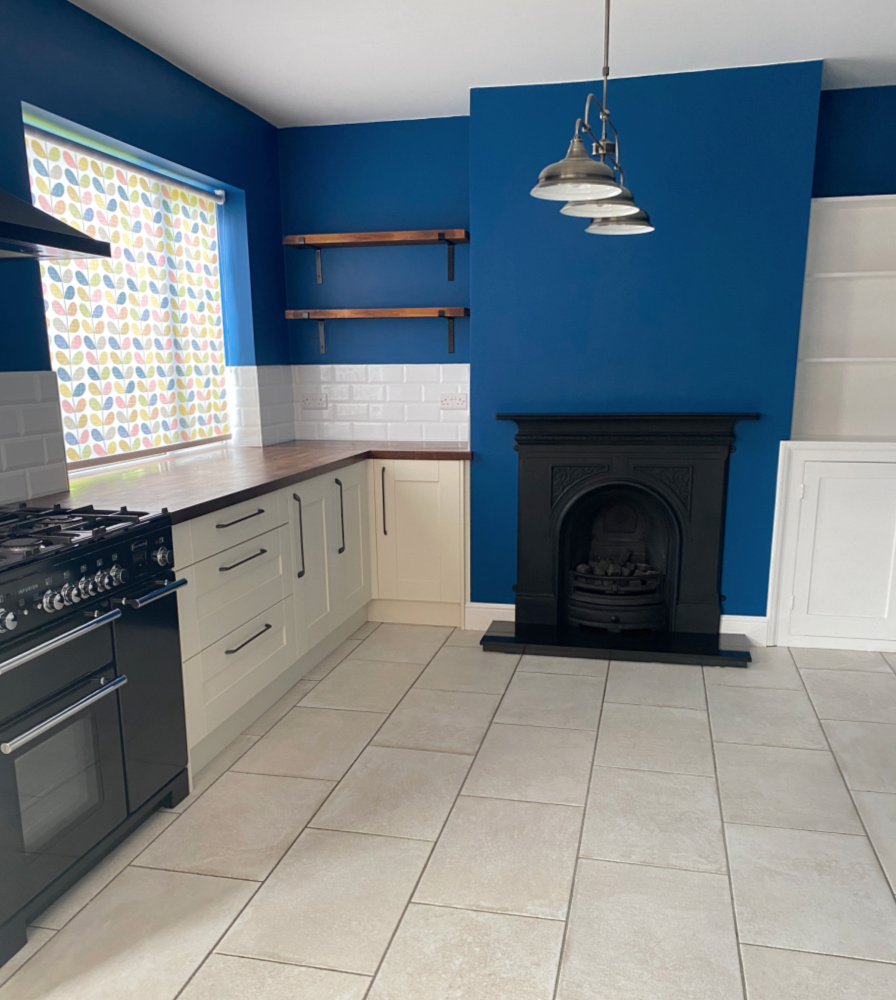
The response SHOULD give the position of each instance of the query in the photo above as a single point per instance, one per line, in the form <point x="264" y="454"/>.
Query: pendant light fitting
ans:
<point x="594" y="186"/>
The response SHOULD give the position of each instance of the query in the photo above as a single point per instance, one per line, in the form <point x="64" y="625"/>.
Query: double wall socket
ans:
<point x="453" y="401"/>
<point x="314" y="401"/>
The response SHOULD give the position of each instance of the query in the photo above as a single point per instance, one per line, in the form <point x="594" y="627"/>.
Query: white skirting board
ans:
<point x="478" y="617"/>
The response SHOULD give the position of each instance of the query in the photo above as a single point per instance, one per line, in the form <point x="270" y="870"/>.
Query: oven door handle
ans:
<point x="60" y="717"/>
<point x="60" y="640"/>
<point x="152" y="596"/>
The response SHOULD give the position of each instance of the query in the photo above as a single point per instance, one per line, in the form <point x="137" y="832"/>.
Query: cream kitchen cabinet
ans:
<point x="418" y="526"/>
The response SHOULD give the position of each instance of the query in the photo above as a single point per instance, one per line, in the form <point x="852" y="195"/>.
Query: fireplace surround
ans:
<point x="619" y="542"/>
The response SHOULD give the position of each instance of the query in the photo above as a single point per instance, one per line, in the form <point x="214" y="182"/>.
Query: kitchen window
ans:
<point x="136" y="340"/>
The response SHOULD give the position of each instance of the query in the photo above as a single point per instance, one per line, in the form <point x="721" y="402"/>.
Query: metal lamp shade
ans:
<point x="604" y="208"/>
<point x="577" y="177"/>
<point x="628" y="225"/>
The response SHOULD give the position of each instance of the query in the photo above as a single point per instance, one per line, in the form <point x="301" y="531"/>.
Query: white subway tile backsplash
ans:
<point x="32" y="451"/>
<point x="23" y="453"/>
<point x="368" y="392"/>
<point x="441" y="432"/>
<point x="386" y="373"/>
<point x="404" y="432"/>
<point x="13" y="486"/>
<point x="49" y="479"/>
<point x="351" y="411"/>
<point x="424" y="412"/>
<point x="19" y="387"/>
<point x="350" y="373"/>
<point x="426" y="373"/>
<point x="384" y="412"/>
<point x="406" y="392"/>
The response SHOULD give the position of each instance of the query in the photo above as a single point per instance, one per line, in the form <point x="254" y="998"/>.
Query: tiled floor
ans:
<point x="419" y="820"/>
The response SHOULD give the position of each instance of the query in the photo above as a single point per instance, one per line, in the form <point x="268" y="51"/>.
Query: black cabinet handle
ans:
<point x="227" y="569"/>
<point x="341" y="516"/>
<point x="230" y="524"/>
<point x="298" y="500"/>
<point x="383" y="484"/>
<point x="252" y="638"/>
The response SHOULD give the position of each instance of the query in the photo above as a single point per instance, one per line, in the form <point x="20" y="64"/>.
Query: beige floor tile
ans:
<point x="493" y="957"/>
<point x="267" y="720"/>
<point x="772" y="974"/>
<point x="397" y="793"/>
<point x="820" y="892"/>
<point x="654" y="739"/>
<point x="641" y="933"/>
<point x="879" y="814"/>
<point x="333" y="902"/>
<point x="839" y="659"/>
<point x="59" y="914"/>
<point x="37" y="938"/>
<point x="365" y="685"/>
<point x="533" y="763"/>
<point x="332" y="661"/>
<point x="241" y="827"/>
<point x="583" y="666"/>
<point x="771" y="667"/>
<point x="673" y="685"/>
<point x="205" y="778"/>
<point x="512" y="857"/>
<point x="452" y="721"/>
<point x="559" y="701"/>
<point x="225" y="977"/>
<point x="312" y="743"/>
<point x="463" y="668"/>
<point x="652" y="818"/>
<point x="143" y="936"/>
<point x="764" y="717"/>
<point x="851" y="696"/>
<point x="866" y="752"/>
<point x="403" y="643"/>
<point x="460" y="637"/>
<point x="777" y="786"/>
<point x="368" y="628"/>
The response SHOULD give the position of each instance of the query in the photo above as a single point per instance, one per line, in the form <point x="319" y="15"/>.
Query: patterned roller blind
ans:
<point x="137" y="340"/>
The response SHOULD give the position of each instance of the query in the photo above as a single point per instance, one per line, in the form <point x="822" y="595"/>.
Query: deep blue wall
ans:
<point x="702" y="315"/>
<point x="856" y="152"/>
<point x="372" y="177"/>
<point x="58" y="58"/>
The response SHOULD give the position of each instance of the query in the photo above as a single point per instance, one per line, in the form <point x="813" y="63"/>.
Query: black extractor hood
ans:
<point x="27" y="232"/>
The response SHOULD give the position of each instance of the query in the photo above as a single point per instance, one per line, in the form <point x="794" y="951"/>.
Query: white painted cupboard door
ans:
<point x="419" y="542"/>
<point x="309" y="517"/>
<point x="846" y="552"/>
<point x="349" y="557"/>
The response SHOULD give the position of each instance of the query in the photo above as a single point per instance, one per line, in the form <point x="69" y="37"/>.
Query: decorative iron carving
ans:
<point x="564" y="477"/>
<point x="678" y="478"/>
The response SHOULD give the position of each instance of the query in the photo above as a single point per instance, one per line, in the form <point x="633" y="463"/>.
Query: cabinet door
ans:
<point x="350" y="586"/>
<point x="845" y="578"/>
<point x="419" y="543"/>
<point x="310" y="517"/>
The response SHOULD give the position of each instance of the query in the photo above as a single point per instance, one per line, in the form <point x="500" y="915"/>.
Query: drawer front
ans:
<point x="229" y="588"/>
<point x="215" y="532"/>
<point x="239" y="666"/>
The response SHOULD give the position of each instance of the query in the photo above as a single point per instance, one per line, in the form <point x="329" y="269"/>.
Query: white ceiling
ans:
<point x="315" y="62"/>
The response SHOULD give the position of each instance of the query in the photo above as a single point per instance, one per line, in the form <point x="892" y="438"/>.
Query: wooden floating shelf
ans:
<point x="414" y="312"/>
<point x="392" y="238"/>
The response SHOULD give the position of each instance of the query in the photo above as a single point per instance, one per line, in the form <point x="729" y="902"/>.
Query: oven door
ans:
<point x="61" y="785"/>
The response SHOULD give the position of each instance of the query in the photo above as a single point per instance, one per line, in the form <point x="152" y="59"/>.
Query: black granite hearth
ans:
<point x="619" y="545"/>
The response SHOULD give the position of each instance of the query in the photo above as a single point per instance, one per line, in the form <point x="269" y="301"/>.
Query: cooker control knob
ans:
<point x="103" y="581"/>
<point x="71" y="594"/>
<point x="8" y="620"/>
<point x="86" y="586"/>
<point x="119" y="575"/>
<point x="52" y="601"/>
<point x="162" y="556"/>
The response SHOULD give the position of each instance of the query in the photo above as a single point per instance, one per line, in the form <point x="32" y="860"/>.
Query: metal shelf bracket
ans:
<point x="450" y="330"/>
<point x="450" y="245"/>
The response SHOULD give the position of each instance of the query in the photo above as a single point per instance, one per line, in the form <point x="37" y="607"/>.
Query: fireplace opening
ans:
<point x="618" y="562"/>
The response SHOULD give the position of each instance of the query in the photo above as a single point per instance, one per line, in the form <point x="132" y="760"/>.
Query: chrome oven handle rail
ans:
<point x="60" y="640"/>
<point x="153" y="595"/>
<point x="60" y="717"/>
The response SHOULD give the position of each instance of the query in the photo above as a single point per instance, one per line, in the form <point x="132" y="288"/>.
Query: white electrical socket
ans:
<point x="453" y="401"/>
<point x="314" y="402"/>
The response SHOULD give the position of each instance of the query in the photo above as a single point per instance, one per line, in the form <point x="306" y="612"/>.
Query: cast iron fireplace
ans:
<point x="621" y="523"/>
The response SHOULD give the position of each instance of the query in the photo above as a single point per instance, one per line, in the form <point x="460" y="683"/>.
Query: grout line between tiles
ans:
<point x="823" y="954"/>
<point x="290" y="965"/>
<point x="483" y="909"/>
<point x="191" y="871"/>
<point x="364" y="833"/>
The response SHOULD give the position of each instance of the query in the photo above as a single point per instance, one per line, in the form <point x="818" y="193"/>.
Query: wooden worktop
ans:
<point x="196" y="481"/>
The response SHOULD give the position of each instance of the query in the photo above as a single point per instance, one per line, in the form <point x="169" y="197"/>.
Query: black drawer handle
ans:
<point x="227" y="569"/>
<point x="383" y="483"/>
<point x="252" y="638"/>
<point x="230" y="524"/>
<point x="301" y="572"/>
<point x="341" y="548"/>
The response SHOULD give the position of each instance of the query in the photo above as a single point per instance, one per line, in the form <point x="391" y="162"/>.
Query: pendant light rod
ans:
<point x="605" y="114"/>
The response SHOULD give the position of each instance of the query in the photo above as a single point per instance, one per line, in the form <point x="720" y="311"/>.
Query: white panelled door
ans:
<point x="845" y="569"/>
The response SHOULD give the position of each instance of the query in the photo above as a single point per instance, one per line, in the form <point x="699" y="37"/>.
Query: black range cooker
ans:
<point x="92" y="731"/>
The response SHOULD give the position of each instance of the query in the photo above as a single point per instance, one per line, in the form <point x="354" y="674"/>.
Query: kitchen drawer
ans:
<point x="229" y="588"/>
<point x="230" y="672"/>
<point x="215" y="532"/>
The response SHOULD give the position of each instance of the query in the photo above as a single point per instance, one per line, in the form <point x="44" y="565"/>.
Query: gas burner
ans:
<point x="23" y="546"/>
